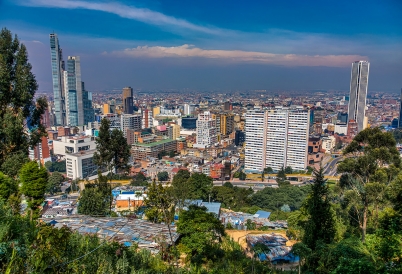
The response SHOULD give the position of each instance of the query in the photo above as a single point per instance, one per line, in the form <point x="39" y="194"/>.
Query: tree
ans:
<point x="172" y="154"/>
<point x="17" y="107"/>
<point x="13" y="163"/>
<point x="163" y="176"/>
<point x="158" y="203"/>
<point x="92" y="202"/>
<point x="201" y="232"/>
<point x="200" y="186"/>
<point x="242" y="176"/>
<point x="281" y="175"/>
<point x="250" y="224"/>
<point x="120" y="151"/>
<point x="320" y="224"/>
<point x="54" y="181"/>
<point x="103" y="155"/>
<point x="8" y="186"/>
<point x="370" y="154"/>
<point x="268" y="170"/>
<point x="180" y="190"/>
<point x="34" y="180"/>
<point x="139" y="180"/>
<point x="288" y="170"/>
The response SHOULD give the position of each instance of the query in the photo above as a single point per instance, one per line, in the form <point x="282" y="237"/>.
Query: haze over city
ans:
<point x="205" y="45"/>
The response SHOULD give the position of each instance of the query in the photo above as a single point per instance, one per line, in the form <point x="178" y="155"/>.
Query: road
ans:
<point x="330" y="170"/>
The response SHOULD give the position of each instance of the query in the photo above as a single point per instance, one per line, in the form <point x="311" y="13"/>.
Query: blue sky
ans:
<point x="273" y="45"/>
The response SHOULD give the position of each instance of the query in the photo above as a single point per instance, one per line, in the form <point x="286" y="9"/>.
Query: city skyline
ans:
<point x="157" y="45"/>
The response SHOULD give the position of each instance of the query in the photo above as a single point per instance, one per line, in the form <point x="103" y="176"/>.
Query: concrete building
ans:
<point x="206" y="130"/>
<point x="130" y="121"/>
<point x="73" y="144"/>
<point x="358" y="93"/>
<point x="58" y="82"/>
<point x="73" y="92"/>
<point x="80" y="165"/>
<point x="40" y="152"/>
<point x="328" y="143"/>
<point x="147" y="119"/>
<point x="141" y="151"/>
<point x="276" y="138"/>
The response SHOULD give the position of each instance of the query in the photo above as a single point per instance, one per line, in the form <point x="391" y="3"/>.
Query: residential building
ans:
<point x="73" y="92"/>
<point x="328" y="143"/>
<point x="358" y="93"/>
<point x="63" y="131"/>
<point x="130" y="121"/>
<point x="40" y="152"/>
<point x="80" y="165"/>
<point x="156" y="111"/>
<point x="147" y="119"/>
<point x="141" y="151"/>
<point x="240" y="138"/>
<point x="206" y="130"/>
<point x="189" y="122"/>
<point x="276" y="138"/>
<point x="175" y="131"/>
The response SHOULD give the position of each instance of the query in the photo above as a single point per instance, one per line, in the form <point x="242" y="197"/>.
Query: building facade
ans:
<point x="206" y="130"/>
<point x="276" y="138"/>
<point x="128" y="100"/>
<point x="358" y="93"/>
<point x="130" y="121"/>
<point x="57" y="79"/>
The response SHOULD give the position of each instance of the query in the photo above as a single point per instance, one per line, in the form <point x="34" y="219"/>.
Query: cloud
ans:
<point x="186" y="51"/>
<point x="131" y="12"/>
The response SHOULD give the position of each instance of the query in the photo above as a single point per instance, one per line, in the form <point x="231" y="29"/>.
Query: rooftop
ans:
<point x="154" y="143"/>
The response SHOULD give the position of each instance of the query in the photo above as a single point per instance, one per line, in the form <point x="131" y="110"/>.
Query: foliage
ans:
<point x="231" y="197"/>
<point x="139" y="180"/>
<point x="13" y="163"/>
<point x="281" y="175"/>
<point x="179" y="189"/>
<point x="56" y="166"/>
<point x="34" y="181"/>
<point x="163" y="176"/>
<point x="8" y="186"/>
<point x="319" y="214"/>
<point x="54" y="181"/>
<point x="288" y="170"/>
<point x="17" y="106"/>
<point x="96" y="199"/>
<point x="201" y="232"/>
<point x="158" y="203"/>
<point x="372" y="163"/>
<point x="200" y="186"/>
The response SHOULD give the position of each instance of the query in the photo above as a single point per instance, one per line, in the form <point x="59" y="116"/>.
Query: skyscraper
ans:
<point x="358" y="93"/>
<point x="73" y="92"/>
<point x="57" y="79"/>
<point x="72" y="104"/>
<point x="128" y="100"/>
<point x="276" y="138"/>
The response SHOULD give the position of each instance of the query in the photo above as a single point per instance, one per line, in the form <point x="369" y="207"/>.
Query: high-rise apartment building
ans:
<point x="147" y="119"/>
<point x="128" y="100"/>
<point x="130" y="121"/>
<point x="358" y="93"/>
<point x="57" y="79"/>
<point x="72" y="104"/>
<point x="206" y="130"/>
<point x="276" y="138"/>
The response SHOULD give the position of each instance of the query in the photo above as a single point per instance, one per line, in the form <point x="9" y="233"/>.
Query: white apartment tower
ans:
<point x="206" y="130"/>
<point x="275" y="138"/>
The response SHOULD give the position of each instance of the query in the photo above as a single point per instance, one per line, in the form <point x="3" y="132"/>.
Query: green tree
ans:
<point x="201" y="232"/>
<point x="54" y="181"/>
<point x="139" y="180"/>
<point x="163" y="176"/>
<point x="200" y="186"/>
<point x="92" y="202"/>
<point x="250" y="224"/>
<point x="120" y="151"/>
<point x="288" y="170"/>
<point x="13" y="163"/>
<point x="158" y="203"/>
<point x="319" y="214"/>
<point x="242" y="176"/>
<point x="371" y="153"/>
<point x="180" y="190"/>
<point x="34" y="180"/>
<point x="8" y="186"/>
<point x="281" y="175"/>
<point x="17" y="107"/>
<point x="268" y="170"/>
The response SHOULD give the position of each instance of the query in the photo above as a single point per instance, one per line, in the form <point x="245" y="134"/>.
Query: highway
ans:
<point x="330" y="169"/>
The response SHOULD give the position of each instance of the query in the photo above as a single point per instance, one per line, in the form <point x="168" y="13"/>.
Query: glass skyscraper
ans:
<point x="73" y="105"/>
<point x="57" y="78"/>
<point x="358" y="93"/>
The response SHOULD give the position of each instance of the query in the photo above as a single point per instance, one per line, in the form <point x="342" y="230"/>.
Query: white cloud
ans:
<point x="131" y="12"/>
<point x="239" y="56"/>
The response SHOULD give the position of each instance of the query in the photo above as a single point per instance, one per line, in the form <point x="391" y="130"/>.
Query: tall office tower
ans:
<point x="130" y="121"/>
<point x="400" y="111"/>
<point x="275" y="138"/>
<point x="147" y="119"/>
<point x="57" y="79"/>
<point x="206" y="130"/>
<point x="128" y="100"/>
<point x="73" y="92"/>
<point x="89" y="112"/>
<point x="358" y="93"/>
<point x="227" y="106"/>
